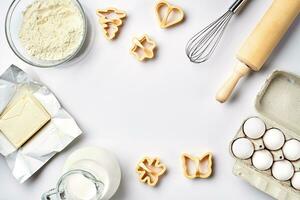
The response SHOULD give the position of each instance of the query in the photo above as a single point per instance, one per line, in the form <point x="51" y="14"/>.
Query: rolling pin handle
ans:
<point x="224" y="93"/>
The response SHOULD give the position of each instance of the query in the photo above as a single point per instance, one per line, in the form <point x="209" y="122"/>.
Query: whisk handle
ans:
<point x="224" y="93"/>
<point x="237" y="5"/>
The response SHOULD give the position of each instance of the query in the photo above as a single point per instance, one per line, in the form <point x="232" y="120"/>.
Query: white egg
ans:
<point x="254" y="128"/>
<point x="291" y="150"/>
<point x="262" y="160"/>
<point x="242" y="148"/>
<point x="274" y="139"/>
<point x="296" y="181"/>
<point x="283" y="170"/>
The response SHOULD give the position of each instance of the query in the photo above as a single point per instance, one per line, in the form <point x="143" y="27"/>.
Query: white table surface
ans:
<point x="162" y="107"/>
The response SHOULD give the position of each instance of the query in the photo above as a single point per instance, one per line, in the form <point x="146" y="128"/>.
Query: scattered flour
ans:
<point x="51" y="29"/>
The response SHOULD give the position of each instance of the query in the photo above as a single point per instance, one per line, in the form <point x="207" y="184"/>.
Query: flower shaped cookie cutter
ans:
<point x="143" y="48"/>
<point x="204" y="161"/>
<point x="171" y="17"/>
<point x="111" y="19"/>
<point x="150" y="170"/>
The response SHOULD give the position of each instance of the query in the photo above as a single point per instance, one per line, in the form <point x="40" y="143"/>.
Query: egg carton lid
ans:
<point x="279" y="101"/>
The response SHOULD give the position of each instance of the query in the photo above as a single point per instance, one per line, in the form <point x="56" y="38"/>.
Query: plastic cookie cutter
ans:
<point x="149" y="170"/>
<point x="111" y="19"/>
<point x="143" y="48"/>
<point x="167" y="14"/>
<point x="202" y="166"/>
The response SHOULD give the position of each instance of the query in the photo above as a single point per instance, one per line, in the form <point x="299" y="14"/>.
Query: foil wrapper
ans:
<point x="60" y="131"/>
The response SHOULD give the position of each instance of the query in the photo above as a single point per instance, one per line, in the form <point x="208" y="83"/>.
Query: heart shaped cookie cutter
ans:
<point x="165" y="19"/>
<point x="149" y="170"/>
<point x="187" y="160"/>
<point x="110" y="19"/>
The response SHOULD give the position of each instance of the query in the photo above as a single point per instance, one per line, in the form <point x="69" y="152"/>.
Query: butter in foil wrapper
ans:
<point x="52" y="138"/>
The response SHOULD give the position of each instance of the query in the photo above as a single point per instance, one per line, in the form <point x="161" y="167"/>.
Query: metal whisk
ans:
<point x="201" y="46"/>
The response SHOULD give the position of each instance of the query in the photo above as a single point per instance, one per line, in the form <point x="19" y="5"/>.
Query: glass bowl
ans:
<point x="13" y="24"/>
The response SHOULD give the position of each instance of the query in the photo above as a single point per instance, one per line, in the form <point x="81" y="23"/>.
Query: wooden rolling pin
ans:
<point x="261" y="42"/>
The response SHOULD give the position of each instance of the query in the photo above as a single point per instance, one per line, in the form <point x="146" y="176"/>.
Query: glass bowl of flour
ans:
<point x="46" y="33"/>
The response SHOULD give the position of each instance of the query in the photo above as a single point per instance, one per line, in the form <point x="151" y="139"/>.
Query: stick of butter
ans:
<point x="20" y="121"/>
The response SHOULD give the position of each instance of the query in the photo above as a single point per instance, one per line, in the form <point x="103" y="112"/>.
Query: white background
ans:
<point x="162" y="107"/>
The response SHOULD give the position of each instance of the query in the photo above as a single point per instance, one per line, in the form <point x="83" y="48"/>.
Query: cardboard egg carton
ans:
<point x="278" y="105"/>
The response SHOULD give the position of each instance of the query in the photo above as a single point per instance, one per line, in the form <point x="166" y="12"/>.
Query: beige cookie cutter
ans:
<point x="145" y="45"/>
<point x="150" y="170"/>
<point x="111" y="19"/>
<point x="165" y="19"/>
<point x="187" y="159"/>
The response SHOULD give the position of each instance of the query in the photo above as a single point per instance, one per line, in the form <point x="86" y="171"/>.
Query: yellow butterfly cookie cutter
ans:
<point x="150" y="170"/>
<point x="165" y="18"/>
<point x="143" y="48"/>
<point x="110" y="19"/>
<point x="187" y="160"/>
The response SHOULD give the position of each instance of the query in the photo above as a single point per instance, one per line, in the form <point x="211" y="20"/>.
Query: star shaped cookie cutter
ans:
<point x="171" y="17"/>
<point x="111" y="19"/>
<point x="150" y="170"/>
<point x="198" y="162"/>
<point x="143" y="48"/>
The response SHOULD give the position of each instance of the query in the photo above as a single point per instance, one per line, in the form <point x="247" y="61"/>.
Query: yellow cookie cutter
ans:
<point x="188" y="159"/>
<point x="110" y="19"/>
<point x="145" y="45"/>
<point x="164" y="19"/>
<point x="149" y="170"/>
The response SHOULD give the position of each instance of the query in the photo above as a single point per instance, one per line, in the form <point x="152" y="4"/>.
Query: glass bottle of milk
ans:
<point x="90" y="173"/>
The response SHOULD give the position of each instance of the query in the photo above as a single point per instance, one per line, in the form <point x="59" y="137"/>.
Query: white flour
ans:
<point x="51" y="29"/>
